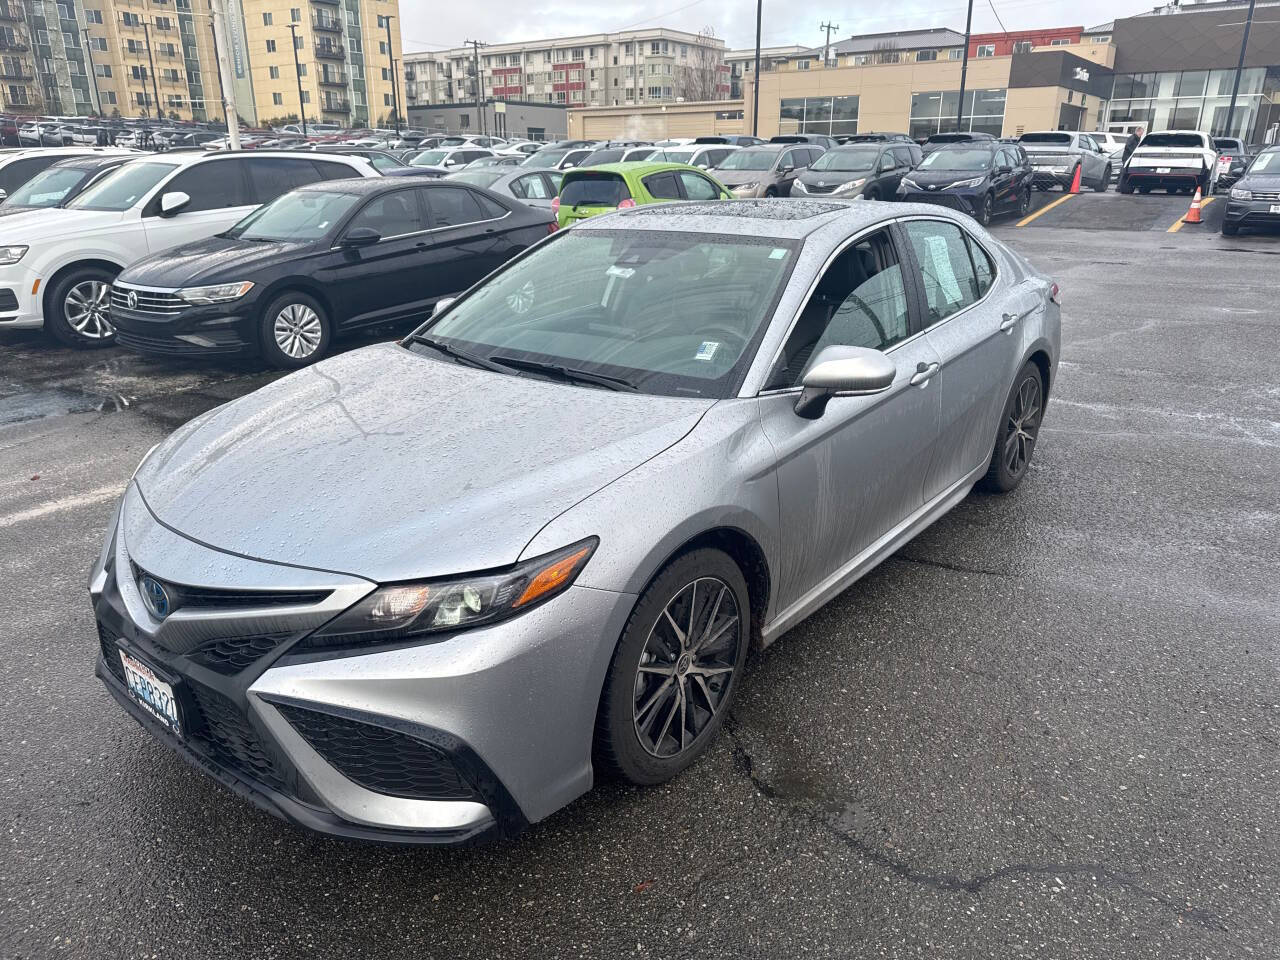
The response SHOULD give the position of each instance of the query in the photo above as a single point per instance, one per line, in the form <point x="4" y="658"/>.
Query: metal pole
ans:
<point x="226" y="84"/>
<point x="146" y="32"/>
<point x="755" y="83"/>
<point x="395" y="93"/>
<point x="297" y="70"/>
<point x="222" y="94"/>
<point x="826" y="47"/>
<point x="88" y="47"/>
<point x="1235" y="87"/>
<point x="964" y="66"/>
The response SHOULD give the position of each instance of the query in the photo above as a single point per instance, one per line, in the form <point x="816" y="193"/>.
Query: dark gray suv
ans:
<point x="1056" y="154"/>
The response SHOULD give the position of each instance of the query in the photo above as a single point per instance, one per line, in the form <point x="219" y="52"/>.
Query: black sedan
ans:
<point x="316" y="263"/>
<point x="982" y="179"/>
<point x="57" y="185"/>
<point x="1255" y="198"/>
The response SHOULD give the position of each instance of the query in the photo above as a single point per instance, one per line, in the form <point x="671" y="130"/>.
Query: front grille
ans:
<point x="222" y="732"/>
<point x="378" y="759"/>
<point x="170" y="346"/>
<point x="110" y="652"/>
<point x="813" y="188"/>
<point x="233" y="654"/>
<point x="8" y="301"/>
<point x="181" y="595"/>
<point x="941" y="199"/>
<point x="149" y="301"/>
<point x="1259" y="195"/>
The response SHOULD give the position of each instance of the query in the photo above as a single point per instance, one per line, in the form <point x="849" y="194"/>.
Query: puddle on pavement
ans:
<point x="22" y="406"/>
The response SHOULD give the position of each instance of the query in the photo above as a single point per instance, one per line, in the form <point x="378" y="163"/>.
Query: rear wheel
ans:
<point x="1019" y="427"/>
<point x="675" y="671"/>
<point x="1144" y="190"/>
<point x="1124" y="186"/>
<point x="77" y="309"/>
<point x="1105" y="182"/>
<point x="770" y="192"/>
<point x="295" y="331"/>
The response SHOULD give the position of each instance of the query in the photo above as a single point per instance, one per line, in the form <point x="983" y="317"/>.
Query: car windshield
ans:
<point x="546" y="158"/>
<point x="482" y="177"/>
<point x="1268" y="162"/>
<point x="961" y="158"/>
<point x="124" y="187"/>
<point x="1173" y="140"/>
<point x="47" y="188"/>
<point x="676" y="314"/>
<point x="301" y="216"/>
<point x="672" y="156"/>
<point x="852" y="160"/>
<point x="749" y="160"/>
<point x="429" y="158"/>
<point x="1058" y="139"/>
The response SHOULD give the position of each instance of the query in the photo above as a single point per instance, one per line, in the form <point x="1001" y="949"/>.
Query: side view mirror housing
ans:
<point x="442" y="305"/>
<point x="360" y="237"/>
<point x="4" y="195"/>
<point x="839" y="371"/>
<point x="786" y="168"/>
<point x="173" y="202"/>
<point x="1004" y="168"/>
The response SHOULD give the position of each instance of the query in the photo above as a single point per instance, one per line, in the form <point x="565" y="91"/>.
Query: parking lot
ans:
<point x="1049" y="727"/>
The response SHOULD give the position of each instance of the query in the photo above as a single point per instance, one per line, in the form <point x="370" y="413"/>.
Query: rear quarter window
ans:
<point x="594" y="190"/>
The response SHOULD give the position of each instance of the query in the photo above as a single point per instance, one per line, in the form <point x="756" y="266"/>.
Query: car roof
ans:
<point x="95" y="161"/>
<point x="641" y="168"/>
<point x="366" y="186"/>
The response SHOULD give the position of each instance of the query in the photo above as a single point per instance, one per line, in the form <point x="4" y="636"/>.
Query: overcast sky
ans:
<point x="433" y="26"/>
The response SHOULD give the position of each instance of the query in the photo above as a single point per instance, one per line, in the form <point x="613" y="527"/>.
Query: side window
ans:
<point x="947" y="272"/>
<point x="534" y="187"/>
<point x="697" y="187"/>
<point x="269" y="177"/>
<point x="576" y="157"/>
<point x="333" y="171"/>
<point x="452" y="206"/>
<point x="489" y="209"/>
<point x="887" y="162"/>
<point x="662" y="186"/>
<point x="391" y="215"/>
<point x="19" y="172"/>
<point x="814" y="153"/>
<point x="983" y="268"/>
<point x="554" y="177"/>
<point x="903" y="156"/>
<point x="382" y="162"/>
<point x="212" y="186"/>
<point x="860" y="301"/>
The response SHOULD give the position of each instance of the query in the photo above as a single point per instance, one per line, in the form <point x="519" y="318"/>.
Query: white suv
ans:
<point x="1174" y="160"/>
<point x="56" y="265"/>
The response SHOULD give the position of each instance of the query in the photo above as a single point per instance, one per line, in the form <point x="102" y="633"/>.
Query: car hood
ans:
<point x="58" y="222"/>
<point x="392" y="465"/>
<point x="829" y="177"/>
<point x="732" y="178"/>
<point x="944" y="178"/>
<point x="1266" y="182"/>
<point x="215" y="260"/>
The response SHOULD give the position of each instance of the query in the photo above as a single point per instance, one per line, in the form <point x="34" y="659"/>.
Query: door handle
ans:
<point x="924" y="371"/>
<point x="1010" y="320"/>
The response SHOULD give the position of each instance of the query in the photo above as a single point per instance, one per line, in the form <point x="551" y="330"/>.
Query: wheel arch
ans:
<point x="299" y="284"/>
<point x="1040" y="357"/>
<point x="99" y="263"/>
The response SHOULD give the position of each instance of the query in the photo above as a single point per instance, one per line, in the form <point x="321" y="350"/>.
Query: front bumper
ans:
<point x="1252" y="213"/>
<point x="214" y="330"/>
<point x="965" y="200"/>
<point x="442" y="741"/>
<point x="21" y="298"/>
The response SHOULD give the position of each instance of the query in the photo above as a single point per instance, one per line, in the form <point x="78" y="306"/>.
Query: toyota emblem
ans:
<point x="132" y="299"/>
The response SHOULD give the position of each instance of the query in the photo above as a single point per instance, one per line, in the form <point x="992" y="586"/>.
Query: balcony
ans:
<point x="322" y="22"/>
<point x="332" y="78"/>
<point x="336" y="105"/>
<point x="12" y="14"/>
<point x="15" y="75"/>
<point x="331" y="51"/>
<point x="334" y="2"/>
<point x="14" y="44"/>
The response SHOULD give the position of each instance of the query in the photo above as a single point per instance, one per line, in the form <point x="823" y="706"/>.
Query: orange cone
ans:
<point x="1075" y="182"/>
<point x="1193" y="215"/>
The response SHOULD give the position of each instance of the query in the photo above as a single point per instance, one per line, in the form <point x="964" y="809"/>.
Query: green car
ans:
<point x="590" y="191"/>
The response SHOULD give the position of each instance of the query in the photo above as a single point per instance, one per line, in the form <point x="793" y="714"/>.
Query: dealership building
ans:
<point x="1171" y="68"/>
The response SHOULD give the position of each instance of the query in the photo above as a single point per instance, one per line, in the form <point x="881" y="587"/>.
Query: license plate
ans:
<point x="151" y="693"/>
<point x="1275" y="208"/>
<point x="1224" y="165"/>
<point x="1163" y="169"/>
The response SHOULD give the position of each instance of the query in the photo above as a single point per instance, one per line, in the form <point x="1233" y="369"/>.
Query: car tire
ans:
<point x="1229" y="229"/>
<point x="76" y="309"/>
<point x="1024" y="204"/>
<point x="1017" y="433"/>
<point x="987" y="211"/>
<point x="1105" y="182"/>
<point x="295" y="331"/>
<point x="1144" y="190"/>
<point x="1124" y="186"/>
<point x="872" y="194"/>
<point x="656" y="672"/>
<point x="770" y="192"/>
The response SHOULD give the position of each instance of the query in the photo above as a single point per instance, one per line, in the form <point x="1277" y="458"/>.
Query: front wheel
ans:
<point x="676" y="668"/>
<point x="295" y="331"/>
<point x="1024" y="205"/>
<point x="77" y="309"/>
<point x="1019" y="427"/>
<point x="770" y="192"/>
<point x="1105" y="182"/>
<point x="986" y="210"/>
<point x="1229" y="229"/>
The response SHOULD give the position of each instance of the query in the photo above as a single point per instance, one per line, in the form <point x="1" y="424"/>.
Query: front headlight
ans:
<point x="799" y="186"/>
<point x="975" y="182"/>
<point x="745" y="186"/>
<point x="403" y="610"/>
<point x="217" y="293"/>
<point x="1239" y="193"/>
<point x="10" y="255"/>
<point x="906" y="183"/>
<point x="851" y="185"/>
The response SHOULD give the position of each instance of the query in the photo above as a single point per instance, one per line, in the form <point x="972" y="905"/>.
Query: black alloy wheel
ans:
<point x="1105" y="181"/>
<point x="1019" y="428"/>
<point x="1024" y="205"/>
<point x="987" y="210"/>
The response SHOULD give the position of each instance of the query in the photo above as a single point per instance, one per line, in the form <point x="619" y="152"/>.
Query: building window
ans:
<point x="1022" y="46"/>
<point x="93" y="16"/>
<point x="655" y="93"/>
<point x="986" y="50"/>
<point x="1197" y="100"/>
<point x="130" y="19"/>
<point x="382" y="47"/>
<point x="828" y="115"/>
<point x="802" y="64"/>
<point x="109" y="96"/>
<point x="271" y="46"/>
<point x="163" y="23"/>
<point x="277" y="98"/>
<point x="386" y="99"/>
<point x="98" y="43"/>
<point x="138" y="73"/>
<point x="935" y="112"/>
<point x="1060" y="42"/>
<point x="102" y="69"/>
<point x="273" y="73"/>
<point x="302" y="69"/>
<point x="295" y="14"/>
<point x="577" y="53"/>
<point x="306" y="96"/>
<point x="266" y="19"/>
<point x="923" y="56"/>
<point x="955" y="53"/>
<point x="1102" y="38"/>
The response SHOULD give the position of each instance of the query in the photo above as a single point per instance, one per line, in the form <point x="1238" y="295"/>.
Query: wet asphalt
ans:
<point x="1049" y="728"/>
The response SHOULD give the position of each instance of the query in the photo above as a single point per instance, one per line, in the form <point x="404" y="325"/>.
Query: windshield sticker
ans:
<point x="707" y="351"/>
<point x="622" y="273"/>
<point x="777" y="253"/>
<point x="943" y="272"/>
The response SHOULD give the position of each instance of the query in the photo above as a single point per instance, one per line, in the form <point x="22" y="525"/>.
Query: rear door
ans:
<point x="469" y="238"/>
<point x="697" y="187"/>
<point x="534" y="190"/>
<point x="220" y="197"/>
<point x="663" y="186"/>
<point x="383" y="281"/>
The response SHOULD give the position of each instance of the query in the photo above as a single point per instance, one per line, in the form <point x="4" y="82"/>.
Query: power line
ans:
<point x="1003" y="28"/>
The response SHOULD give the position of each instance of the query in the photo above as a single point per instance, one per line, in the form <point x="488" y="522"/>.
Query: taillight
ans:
<point x="552" y="227"/>
<point x="626" y="204"/>
<point x="555" y="206"/>
<point x="1226" y="158"/>
<point x="1055" y="294"/>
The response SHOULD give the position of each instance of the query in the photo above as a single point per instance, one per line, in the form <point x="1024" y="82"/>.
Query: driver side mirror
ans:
<point x="442" y="305"/>
<point x="4" y="195"/>
<point x="173" y="202"/>
<point x="839" y="371"/>
<point x="360" y="237"/>
<point x="1004" y="168"/>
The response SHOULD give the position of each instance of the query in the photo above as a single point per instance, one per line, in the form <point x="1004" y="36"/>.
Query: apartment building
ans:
<point x="631" y="67"/>
<point x="43" y="62"/>
<point x="742" y="63"/>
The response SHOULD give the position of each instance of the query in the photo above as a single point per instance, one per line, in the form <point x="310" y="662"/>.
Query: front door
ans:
<point x="220" y="198"/>
<point x="848" y="478"/>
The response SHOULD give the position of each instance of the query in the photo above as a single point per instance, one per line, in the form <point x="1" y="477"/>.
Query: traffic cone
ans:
<point x="1193" y="215"/>
<point x="1075" y="181"/>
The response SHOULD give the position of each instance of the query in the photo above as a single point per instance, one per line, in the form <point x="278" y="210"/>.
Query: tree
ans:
<point x="702" y="76"/>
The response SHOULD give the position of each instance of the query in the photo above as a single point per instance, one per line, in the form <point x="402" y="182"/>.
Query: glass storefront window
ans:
<point x="935" y="112"/>
<point x="1199" y="100"/>
<point x="828" y="115"/>
<point x="1191" y="83"/>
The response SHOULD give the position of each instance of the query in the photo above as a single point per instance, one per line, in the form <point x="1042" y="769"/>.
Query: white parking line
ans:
<point x="57" y="506"/>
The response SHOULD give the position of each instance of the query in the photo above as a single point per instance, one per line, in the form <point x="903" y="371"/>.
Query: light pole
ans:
<point x="297" y="70"/>
<point x="395" y="95"/>
<point x="755" y="82"/>
<point x="88" y="46"/>
<point x="1235" y="87"/>
<point x="146" y="33"/>
<point x="964" y="67"/>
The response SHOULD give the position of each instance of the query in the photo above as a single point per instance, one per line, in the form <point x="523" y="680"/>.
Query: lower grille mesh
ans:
<point x="222" y="732"/>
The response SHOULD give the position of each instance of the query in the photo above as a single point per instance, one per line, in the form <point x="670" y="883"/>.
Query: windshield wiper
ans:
<point x="460" y="355"/>
<point x="568" y="374"/>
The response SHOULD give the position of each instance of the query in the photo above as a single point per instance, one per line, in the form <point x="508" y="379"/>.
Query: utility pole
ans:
<point x="146" y="33"/>
<point x="1235" y="87"/>
<point x="297" y="70"/>
<point x="755" y="82"/>
<point x="395" y="93"/>
<point x="964" y="66"/>
<point x="88" y="46"/>
<point x="218" y="12"/>
<point x="222" y="94"/>
<point x="826" y="47"/>
<point x="479" y="87"/>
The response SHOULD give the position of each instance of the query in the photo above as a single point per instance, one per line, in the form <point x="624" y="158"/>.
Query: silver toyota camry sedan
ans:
<point x="429" y="590"/>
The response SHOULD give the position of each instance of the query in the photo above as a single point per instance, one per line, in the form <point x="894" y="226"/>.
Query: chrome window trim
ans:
<point x="452" y="226"/>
